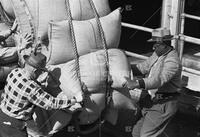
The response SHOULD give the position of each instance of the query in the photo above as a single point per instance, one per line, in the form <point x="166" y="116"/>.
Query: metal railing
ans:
<point x="137" y="27"/>
<point x="189" y="70"/>
<point x="182" y="37"/>
<point x="188" y="38"/>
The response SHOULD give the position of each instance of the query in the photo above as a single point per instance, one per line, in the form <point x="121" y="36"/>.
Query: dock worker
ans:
<point x="9" y="55"/>
<point x="7" y="52"/>
<point x="160" y="81"/>
<point x="22" y="93"/>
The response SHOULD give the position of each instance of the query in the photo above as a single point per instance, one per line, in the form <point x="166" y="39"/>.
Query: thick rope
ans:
<point x="34" y="27"/>
<point x="25" y="22"/>
<point x="77" y="68"/>
<point x="104" y="45"/>
<point x="23" y="16"/>
<point x="108" y="83"/>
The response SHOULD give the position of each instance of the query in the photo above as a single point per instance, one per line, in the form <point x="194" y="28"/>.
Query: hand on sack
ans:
<point x="75" y="106"/>
<point x="79" y="97"/>
<point x="23" y="42"/>
<point x="130" y="83"/>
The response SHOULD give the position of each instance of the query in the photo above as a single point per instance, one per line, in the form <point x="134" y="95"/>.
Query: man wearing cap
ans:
<point x="160" y="81"/>
<point x="22" y="92"/>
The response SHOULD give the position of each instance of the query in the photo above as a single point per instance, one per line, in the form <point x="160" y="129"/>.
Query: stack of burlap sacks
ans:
<point x="48" y="23"/>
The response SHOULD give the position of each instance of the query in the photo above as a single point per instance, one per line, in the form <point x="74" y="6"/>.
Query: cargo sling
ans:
<point x="77" y="68"/>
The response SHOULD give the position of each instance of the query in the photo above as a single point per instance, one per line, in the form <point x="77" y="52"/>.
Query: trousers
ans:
<point x="155" y="116"/>
<point x="11" y="127"/>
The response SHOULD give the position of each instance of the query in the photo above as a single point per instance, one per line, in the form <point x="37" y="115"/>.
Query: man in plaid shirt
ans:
<point x="22" y="92"/>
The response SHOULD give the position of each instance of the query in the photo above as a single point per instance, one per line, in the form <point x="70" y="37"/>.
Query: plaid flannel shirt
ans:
<point x="21" y="94"/>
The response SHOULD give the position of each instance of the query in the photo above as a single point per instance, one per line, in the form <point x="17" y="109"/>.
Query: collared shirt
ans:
<point x="21" y="94"/>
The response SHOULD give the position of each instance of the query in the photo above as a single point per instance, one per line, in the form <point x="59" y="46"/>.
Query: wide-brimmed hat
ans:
<point x="36" y="60"/>
<point x="161" y="34"/>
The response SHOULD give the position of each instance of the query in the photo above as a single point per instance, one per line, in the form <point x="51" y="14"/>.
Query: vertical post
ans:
<point x="182" y="23"/>
<point x="166" y="13"/>
<point x="174" y="20"/>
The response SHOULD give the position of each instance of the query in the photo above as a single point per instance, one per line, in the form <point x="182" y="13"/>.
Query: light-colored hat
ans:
<point x="161" y="34"/>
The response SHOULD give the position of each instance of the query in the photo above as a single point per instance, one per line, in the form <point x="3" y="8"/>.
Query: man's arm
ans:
<point x="39" y="97"/>
<point x="143" y="67"/>
<point x="169" y="69"/>
<point x="159" y="77"/>
<point x="140" y="70"/>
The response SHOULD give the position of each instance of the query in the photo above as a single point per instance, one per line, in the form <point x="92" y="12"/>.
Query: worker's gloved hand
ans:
<point x="130" y="83"/>
<point x="79" y="97"/>
<point x="76" y="107"/>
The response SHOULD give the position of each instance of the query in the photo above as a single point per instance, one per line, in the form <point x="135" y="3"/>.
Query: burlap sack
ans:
<point x="7" y="6"/>
<point x="87" y="37"/>
<point x="92" y="70"/>
<point x="43" y="11"/>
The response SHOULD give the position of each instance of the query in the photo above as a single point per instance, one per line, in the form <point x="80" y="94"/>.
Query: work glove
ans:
<point x="130" y="83"/>
<point x="74" y="106"/>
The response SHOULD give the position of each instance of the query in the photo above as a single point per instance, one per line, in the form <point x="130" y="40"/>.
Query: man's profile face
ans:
<point x="156" y="45"/>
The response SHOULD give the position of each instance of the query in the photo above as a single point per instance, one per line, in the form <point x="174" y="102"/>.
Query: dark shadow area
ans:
<point x="123" y="128"/>
<point x="186" y="122"/>
<point x="53" y="82"/>
<point x="138" y="12"/>
<point x="192" y="27"/>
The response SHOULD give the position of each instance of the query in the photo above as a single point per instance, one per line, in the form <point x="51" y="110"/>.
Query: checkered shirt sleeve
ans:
<point x="20" y="92"/>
